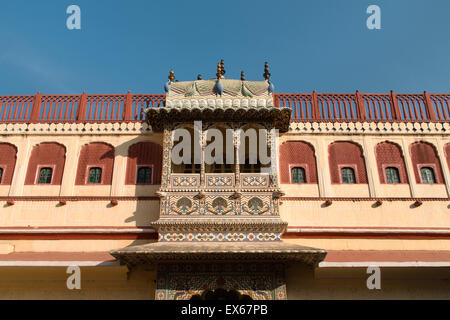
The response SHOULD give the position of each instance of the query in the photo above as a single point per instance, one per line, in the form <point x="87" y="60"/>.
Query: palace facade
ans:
<point x="359" y="180"/>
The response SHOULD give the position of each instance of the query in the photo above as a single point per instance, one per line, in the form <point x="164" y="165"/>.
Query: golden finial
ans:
<point x="171" y="76"/>
<point x="219" y="70"/>
<point x="266" y="74"/>
<point x="222" y="66"/>
<point x="242" y="76"/>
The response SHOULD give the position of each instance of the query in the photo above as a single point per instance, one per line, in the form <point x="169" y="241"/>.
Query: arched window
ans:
<point x="95" y="175"/>
<point x="298" y="175"/>
<point x="348" y="175"/>
<point x="45" y="176"/>
<point x="1" y="174"/>
<point x="144" y="175"/>
<point x="392" y="175"/>
<point x="427" y="175"/>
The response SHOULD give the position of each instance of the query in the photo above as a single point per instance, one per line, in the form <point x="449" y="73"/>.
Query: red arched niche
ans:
<point x="424" y="154"/>
<point x="144" y="153"/>
<point x="8" y="157"/>
<point x="345" y="153"/>
<point x="96" y="154"/>
<point x="389" y="154"/>
<point x="297" y="153"/>
<point x="46" y="154"/>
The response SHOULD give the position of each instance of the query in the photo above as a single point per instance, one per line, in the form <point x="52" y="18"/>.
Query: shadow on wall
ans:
<point x="139" y="152"/>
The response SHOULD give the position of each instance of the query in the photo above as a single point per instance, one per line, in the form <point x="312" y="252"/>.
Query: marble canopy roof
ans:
<point x="277" y="251"/>
<point x="248" y="101"/>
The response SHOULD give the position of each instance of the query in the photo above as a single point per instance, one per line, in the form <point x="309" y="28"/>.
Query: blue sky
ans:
<point x="321" y="45"/>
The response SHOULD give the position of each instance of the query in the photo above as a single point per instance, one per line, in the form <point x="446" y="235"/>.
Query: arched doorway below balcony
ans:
<point x="221" y="294"/>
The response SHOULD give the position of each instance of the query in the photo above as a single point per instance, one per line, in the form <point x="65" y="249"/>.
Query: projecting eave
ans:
<point x="279" y="117"/>
<point x="276" y="251"/>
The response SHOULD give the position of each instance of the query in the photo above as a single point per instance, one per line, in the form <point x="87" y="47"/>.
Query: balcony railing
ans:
<point x="365" y="106"/>
<point x="77" y="108"/>
<point x="305" y="107"/>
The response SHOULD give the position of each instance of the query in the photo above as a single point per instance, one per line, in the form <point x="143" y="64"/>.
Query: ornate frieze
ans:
<point x="222" y="236"/>
<point x="185" y="180"/>
<point x="255" y="180"/>
<point x="220" y="180"/>
<point x="223" y="204"/>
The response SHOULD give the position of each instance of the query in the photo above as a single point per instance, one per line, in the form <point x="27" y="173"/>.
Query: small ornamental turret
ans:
<point x="266" y="75"/>
<point x="218" y="89"/>
<point x="171" y="77"/>
<point x="222" y="66"/>
<point x="242" y="76"/>
<point x="219" y="70"/>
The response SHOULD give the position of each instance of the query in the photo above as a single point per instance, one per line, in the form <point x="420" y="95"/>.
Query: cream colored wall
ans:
<point x="67" y="245"/>
<point x="73" y="144"/>
<point x="431" y="214"/>
<point x="350" y="283"/>
<point x="302" y="282"/>
<point x="96" y="283"/>
<point x="131" y="213"/>
<point x="372" y="244"/>
<point x="374" y="188"/>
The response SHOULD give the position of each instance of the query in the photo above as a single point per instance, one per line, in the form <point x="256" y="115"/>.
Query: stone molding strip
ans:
<point x="296" y="127"/>
<point x="359" y="199"/>
<point x="352" y="127"/>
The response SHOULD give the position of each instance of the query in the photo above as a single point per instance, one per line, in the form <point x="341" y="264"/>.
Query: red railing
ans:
<point x="365" y="106"/>
<point x="305" y="106"/>
<point x="77" y="108"/>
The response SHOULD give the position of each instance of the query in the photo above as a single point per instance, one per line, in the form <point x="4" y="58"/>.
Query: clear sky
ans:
<point x="321" y="45"/>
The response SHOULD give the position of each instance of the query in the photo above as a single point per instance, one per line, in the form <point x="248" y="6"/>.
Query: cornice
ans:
<point x="364" y="128"/>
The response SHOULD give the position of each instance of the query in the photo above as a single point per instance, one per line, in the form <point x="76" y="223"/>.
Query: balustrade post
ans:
<point x="315" y="106"/>
<point x="81" y="114"/>
<point x="128" y="107"/>
<point x="431" y="115"/>
<point x="36" y="108"/>
<point x="396" y="114"/>
<point x="360" y="107"/>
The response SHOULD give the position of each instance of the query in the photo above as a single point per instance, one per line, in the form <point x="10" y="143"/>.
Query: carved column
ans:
<point x="272" y="146"/>
<point x="202" y="135"/>
<point x="167" y="156"/>
<point x="236" y="142"/>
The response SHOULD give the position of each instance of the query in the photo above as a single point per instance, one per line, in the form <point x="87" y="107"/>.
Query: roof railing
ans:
<point x="77" y="108"/>
<point x="314" y="106"/>
<point x="366" y="106"/>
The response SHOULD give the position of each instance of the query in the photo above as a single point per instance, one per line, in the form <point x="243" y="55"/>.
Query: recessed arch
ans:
<point x="346" y="154"/>
<point x="424" y="154"/>
<point x="297" y="153"/>
<point x="144" y="154"/>
<point x="99" y="155"/>
<point x="389" y="157"/>
<point x="8" y="157"/>
<point x="50" y="155"/>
